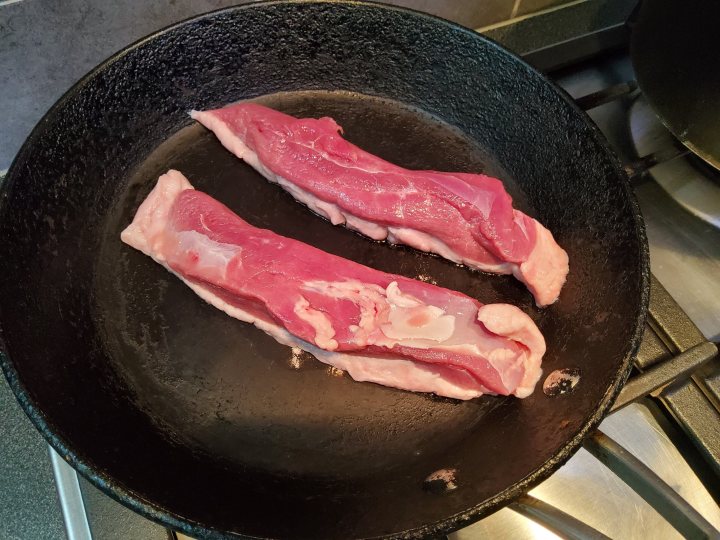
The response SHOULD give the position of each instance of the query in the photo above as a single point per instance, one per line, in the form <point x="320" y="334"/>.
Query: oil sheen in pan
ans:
<point x="227" y="388"/>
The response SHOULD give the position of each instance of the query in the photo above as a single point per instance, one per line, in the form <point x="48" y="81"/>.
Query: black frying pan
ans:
<point x="206" y="424"/>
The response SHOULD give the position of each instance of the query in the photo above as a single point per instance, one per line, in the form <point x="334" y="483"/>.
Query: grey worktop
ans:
<point x="47" y="45"/>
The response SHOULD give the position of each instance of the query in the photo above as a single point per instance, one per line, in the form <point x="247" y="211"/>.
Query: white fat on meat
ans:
<point x="393" y="372"/>
<point x="545" y="269"/>
<point x="425" y="242"/>
<point x="386" y="316"/>
<point x="506" y="320"/>
<point x="409" y="318"/>
<point x="324" y="331"/>
<point x="147" y="231"/>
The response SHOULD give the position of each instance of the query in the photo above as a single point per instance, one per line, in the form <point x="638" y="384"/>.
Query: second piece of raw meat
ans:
<point x="378" y="327"/>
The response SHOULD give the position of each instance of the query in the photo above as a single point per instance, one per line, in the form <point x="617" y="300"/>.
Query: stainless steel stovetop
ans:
<point x="40" y="496"/>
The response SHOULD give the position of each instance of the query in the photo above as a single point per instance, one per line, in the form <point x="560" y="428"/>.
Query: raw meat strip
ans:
<point x="378" y="327"/>
<point x="466" y="218"/>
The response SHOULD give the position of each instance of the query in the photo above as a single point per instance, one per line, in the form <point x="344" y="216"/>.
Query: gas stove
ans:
<point x="667" y="418"/>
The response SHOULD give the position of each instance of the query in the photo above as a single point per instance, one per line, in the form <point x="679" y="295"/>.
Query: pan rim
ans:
<point x="155" y="512"/>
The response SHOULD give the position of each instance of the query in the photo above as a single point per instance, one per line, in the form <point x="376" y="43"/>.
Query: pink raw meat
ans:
<point x="466" y="218"/>
<point x="378" y="327"/>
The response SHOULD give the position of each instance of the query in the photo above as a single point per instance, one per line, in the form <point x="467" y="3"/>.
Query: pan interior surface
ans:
<point x="207" y="424"/>
<point x="229" y="390"/>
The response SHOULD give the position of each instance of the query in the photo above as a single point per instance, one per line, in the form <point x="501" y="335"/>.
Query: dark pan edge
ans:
<point x="163" y="517"/>
<point x="97" y="478"/>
